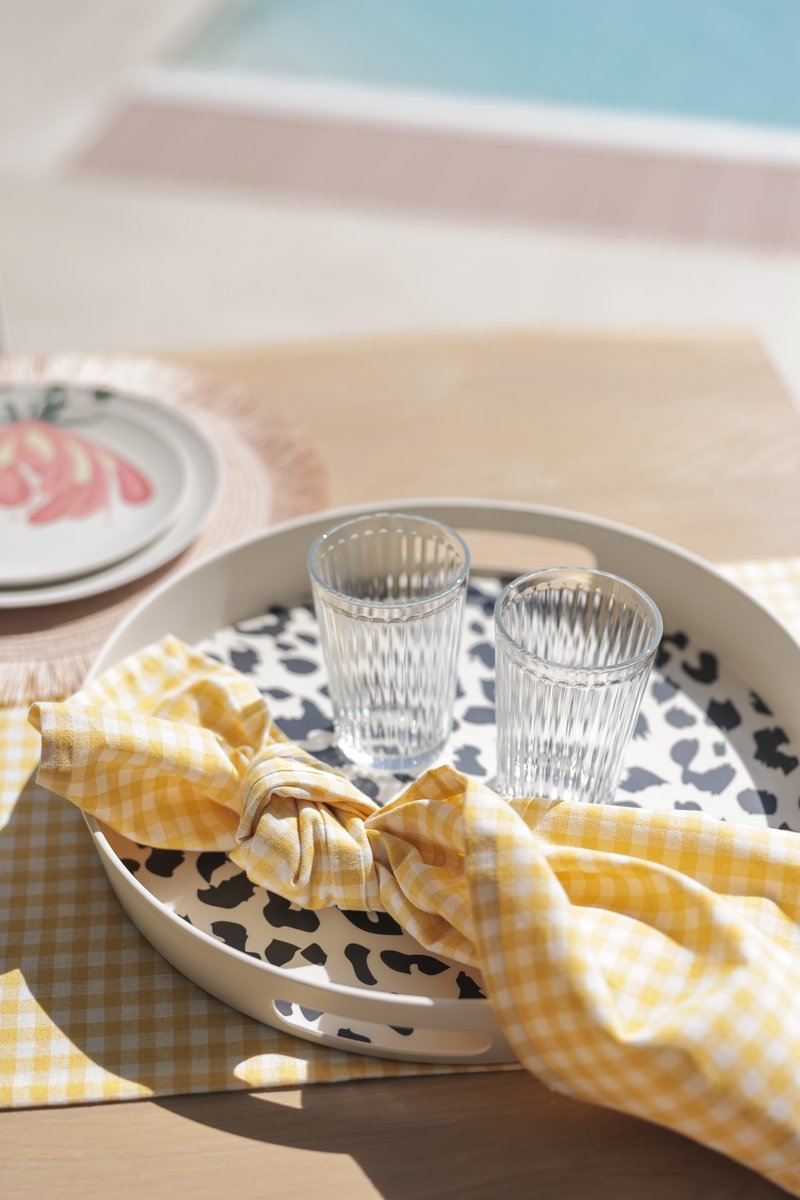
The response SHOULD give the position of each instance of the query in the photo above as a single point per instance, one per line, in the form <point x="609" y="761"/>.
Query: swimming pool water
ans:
<point x="734" y="60"/>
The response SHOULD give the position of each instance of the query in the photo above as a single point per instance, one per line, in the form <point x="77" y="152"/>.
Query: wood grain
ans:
<point x="693" y="439"/>
<point x="463" y="1137"/>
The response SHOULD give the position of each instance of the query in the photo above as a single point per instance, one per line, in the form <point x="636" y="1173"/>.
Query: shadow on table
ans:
<point x="476" y="1136"/>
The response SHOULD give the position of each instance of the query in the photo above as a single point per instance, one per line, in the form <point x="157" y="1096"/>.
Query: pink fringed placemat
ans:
<point x="270" y="473"/>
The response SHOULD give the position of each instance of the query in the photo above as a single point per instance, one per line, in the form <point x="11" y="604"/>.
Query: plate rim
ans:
<point x="172" y="541"/>
<point x="141" y="414"/>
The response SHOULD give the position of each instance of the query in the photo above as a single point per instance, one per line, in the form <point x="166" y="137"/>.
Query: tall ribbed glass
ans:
<point x="389" y="594"/>
<point x="574" y="648"/>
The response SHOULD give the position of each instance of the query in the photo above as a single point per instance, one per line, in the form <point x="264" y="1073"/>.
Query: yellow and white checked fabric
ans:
<point x="773" y="581"/>
<point x="646" y="961"/>
<point x="88" y="1011"/>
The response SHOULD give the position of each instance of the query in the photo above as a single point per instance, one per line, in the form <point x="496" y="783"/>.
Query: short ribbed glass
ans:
<point x="574" y="648"/>
<point x="389" y="594"/>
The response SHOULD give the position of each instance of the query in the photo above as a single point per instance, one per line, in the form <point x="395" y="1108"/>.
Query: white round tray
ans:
<point x="733" y="667"/>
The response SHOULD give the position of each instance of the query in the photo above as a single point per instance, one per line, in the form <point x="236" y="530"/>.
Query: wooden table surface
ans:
<point x="692" y="438"/>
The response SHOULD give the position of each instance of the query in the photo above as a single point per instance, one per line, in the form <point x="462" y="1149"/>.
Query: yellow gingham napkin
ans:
<point x="89" y="1011"/>
<point x="649" y="962"/>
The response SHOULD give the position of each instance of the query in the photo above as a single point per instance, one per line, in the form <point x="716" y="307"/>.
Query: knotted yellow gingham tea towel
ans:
<point x="645" y="961"/>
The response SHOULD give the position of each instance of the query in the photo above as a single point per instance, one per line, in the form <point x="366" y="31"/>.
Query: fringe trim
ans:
<point x="48" y="679"/>
<point x="300" y="485"/>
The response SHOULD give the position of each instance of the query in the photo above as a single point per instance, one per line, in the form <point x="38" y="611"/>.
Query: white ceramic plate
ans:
<point x="721" y="733"/>
<point x="186" y="467"/>
<point x="86" y="479"/>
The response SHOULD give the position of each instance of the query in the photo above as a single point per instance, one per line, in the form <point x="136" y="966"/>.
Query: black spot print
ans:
<point x="479" y="598"/>
<point x="164" y="863"/>
<point x="308" y="638"/>
<point x="285" y="646"/>
<point x="131" y="864"/>
<point x="357" y="957"/>
<point x="683" y="752"/>
<point x="310" y="1014"/>
<point x="280" y="953"/>
<point x="663" y="654"/>
<point x="372" y="922"/>
<point x="397" y="961"/>
<point x="483" y="651"/>
<point x="353" y="1037"/>
<point x="759" y="705"/>
<point x="315" y="955"/>
<point x="467" y="759"/>
<point x="488" y="688"/>
<point x="638" y="780"/>
<point x="664" y="689"/>
<point x="479" y="716"/>
<point x="297" y="728"/>
<point x="278" y="619"/>
<point x="234" y="935"/>
<point x="757" y="800"/>
<point x="283" y="1007"/>
<point x="468" y="988"/>
<point x="723" y="714"/>
<point x="402" y="1030"/>
<point x="679" y="719"/>
<point x="280" y="914"/>
<point x="208" y="861"/>
<point x="299" y="666"/>
<point x="368" y="786"/>
<point x="706" y="670"/>
<point x="331" y="756"/>
<point x="679" y="639"/>
<point x="641" y="730"/>
<point x="476" y="627"/>
<point x="229" y="893"/>
<point x="245" y="661"/>
<point x="688" y="804"/>
<point x="767" y="752"/>
<point x="713" y="781"/>
<point x="277" y="693"/>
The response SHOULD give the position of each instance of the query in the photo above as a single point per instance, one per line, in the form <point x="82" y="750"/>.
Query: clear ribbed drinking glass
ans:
<point x="389" y="594"/>
<point x="574" y="649"/>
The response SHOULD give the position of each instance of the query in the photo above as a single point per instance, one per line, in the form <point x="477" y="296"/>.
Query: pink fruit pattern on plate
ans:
<point x="53" y="473"/>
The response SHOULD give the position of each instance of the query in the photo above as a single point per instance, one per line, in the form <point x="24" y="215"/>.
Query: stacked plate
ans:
<point x="97" y="488"/>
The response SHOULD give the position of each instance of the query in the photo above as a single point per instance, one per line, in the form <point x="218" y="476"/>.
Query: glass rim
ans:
<point x="589" y="669"/>
<point x="399" y="602"/>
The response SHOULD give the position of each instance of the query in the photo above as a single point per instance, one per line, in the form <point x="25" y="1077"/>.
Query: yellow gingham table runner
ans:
<point x="88" y="1011"/>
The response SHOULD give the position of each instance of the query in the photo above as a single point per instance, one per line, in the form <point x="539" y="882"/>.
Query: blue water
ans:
<point x="735" y="60"/>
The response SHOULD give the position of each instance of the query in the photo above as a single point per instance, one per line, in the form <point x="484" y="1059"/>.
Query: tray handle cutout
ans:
<point x="418" y="1043"/>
